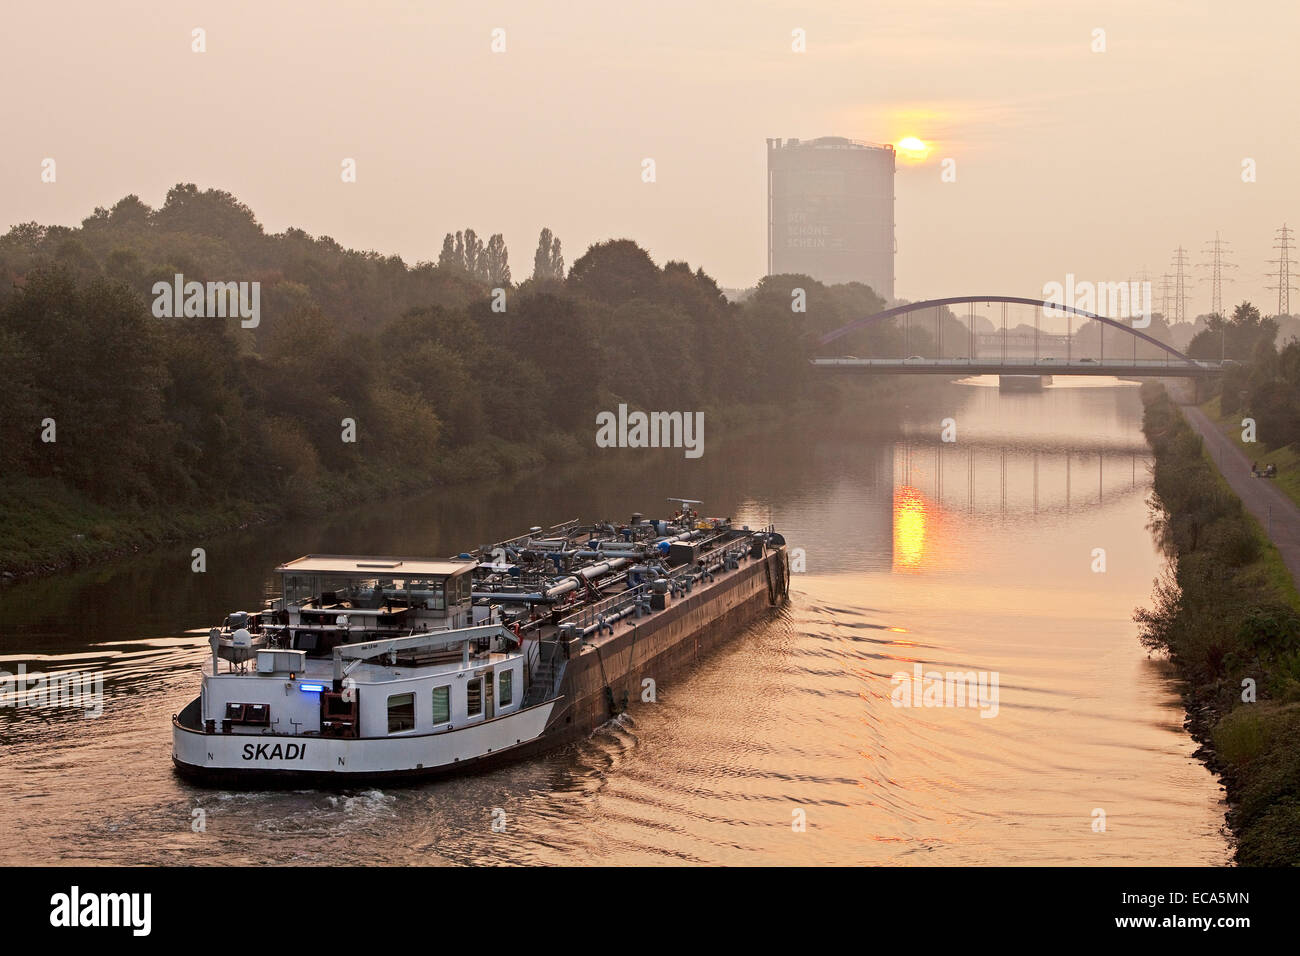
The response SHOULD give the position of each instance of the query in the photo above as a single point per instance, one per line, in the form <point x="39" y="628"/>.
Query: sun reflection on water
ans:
<point x="911" y="519"/>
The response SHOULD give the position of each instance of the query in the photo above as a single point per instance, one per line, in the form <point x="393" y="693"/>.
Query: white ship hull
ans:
<point x="233" y="759"/>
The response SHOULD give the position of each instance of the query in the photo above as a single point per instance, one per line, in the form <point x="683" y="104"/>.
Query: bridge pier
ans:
<point x="1023" y="383"/>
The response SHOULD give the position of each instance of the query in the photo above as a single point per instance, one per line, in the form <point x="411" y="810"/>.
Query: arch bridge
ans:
<point x="1002" y="361"/>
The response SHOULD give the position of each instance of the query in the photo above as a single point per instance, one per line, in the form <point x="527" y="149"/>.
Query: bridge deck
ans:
<point x="1019" y="366"/>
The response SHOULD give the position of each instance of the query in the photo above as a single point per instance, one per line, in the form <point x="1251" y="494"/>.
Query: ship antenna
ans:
<point x="685" y="503"/>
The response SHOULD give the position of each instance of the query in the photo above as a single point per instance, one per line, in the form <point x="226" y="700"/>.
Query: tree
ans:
<point x="473" y="253"/>
<point x="1236" y="338"/>
<point x="97" y="371"/>
<point x="497" y="262"/>
<point x="548" y="262"/>
<point x="615" y="271"/>
<point x="130" y="212"/>
<point x="467" y="253"/>
<point x="448" y="259"/>
<point x="212" y="212"/>
<point x="20" y="397"/>
<point x="557" y="260"/>
<point x="26" y="235"/>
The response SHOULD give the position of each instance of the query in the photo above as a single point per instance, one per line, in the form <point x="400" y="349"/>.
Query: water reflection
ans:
<point x="909" y="529"/>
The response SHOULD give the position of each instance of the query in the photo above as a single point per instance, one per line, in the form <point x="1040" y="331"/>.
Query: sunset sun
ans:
<point x="913" y="148"/>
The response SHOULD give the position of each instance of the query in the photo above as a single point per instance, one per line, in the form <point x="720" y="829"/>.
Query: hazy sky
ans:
<point x="1067" y="160"/>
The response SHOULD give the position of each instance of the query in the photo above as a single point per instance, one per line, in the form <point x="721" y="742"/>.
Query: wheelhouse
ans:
<point x="330" y="599"/>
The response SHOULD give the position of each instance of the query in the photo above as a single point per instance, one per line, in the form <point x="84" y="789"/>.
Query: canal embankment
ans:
<point x="1227" y="614"/>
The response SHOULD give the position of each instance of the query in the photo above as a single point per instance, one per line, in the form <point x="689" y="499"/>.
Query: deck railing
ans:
<point x="592" y="613"/>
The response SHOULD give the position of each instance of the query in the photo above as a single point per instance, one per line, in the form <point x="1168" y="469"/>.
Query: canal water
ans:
<point x="1017" y="551"/>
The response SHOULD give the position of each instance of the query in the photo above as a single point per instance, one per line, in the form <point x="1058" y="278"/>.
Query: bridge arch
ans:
<point x="1010" y="300"/>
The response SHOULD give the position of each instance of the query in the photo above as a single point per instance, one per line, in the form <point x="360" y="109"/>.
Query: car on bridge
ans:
<point x="1087" y="361"/>
<point x="914" y="358"/>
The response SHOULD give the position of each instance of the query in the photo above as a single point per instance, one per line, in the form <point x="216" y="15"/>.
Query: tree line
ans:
<point x="436" y="370"/>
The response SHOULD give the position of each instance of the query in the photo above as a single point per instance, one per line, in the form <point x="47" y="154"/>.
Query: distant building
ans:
<point x="830" y="211"/>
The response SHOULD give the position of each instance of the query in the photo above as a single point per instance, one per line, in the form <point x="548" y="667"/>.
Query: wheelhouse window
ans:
<point x="474" y="697"/>
<point x="297" y="588"/>
<point x="401" y="713"/>
<point x="429" y="594"/>
<point x="442" y="705"/>
<point x="505" y="689"/>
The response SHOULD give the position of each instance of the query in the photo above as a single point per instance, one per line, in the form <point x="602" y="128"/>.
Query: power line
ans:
<point x="1283" y="274"/>
<point x="1217" y="250"/>
<point x="1180" y="284"/>
<point x="1166" y="285"/>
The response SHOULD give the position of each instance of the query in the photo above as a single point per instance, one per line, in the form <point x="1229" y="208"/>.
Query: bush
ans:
<point x="1274" y="840"/>
<point x="1241" y="736"/>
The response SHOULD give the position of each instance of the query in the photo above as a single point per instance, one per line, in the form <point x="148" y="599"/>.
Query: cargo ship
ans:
<point x="392" y="669"/>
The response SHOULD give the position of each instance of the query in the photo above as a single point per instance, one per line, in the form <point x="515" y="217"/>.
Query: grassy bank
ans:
<point x="1286" y="457"/>
<point x="1228" y="615"/>
<point x="47" y="525"/>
